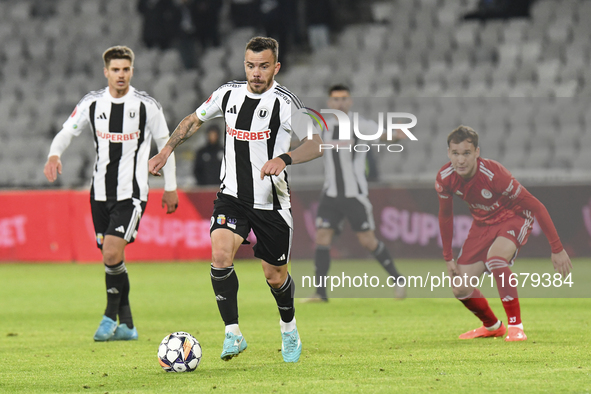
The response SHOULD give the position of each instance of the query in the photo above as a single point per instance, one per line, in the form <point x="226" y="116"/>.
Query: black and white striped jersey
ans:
<point x="258" y="128"/>
<point x="122" y="130"/>
<point x="344" y="170"/>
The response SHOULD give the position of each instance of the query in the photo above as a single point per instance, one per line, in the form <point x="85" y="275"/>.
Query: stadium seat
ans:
<point x="566" y="88"/>
<point x="582" y="161"/>
<point x="425" y="50"/>
<point x="211" y="81"/>
<point x="543" y="11"/>
<point x="530" y="53"/>
<point x="548" y="70"/>
<point x="381" y="11"/>
<point x="170" y="62"/>
<point x="465" y="34"/>
<point x="558" y="33"/>
<point x="20" y="11"/>
<point x="513" y="30"/>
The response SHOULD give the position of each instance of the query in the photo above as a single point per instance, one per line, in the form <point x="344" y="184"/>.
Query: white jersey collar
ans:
<point x="260" y="95"/>
<point x="119" y="100"/>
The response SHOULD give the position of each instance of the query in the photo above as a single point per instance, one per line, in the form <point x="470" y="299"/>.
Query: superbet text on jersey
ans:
<point x="258" y="128"/>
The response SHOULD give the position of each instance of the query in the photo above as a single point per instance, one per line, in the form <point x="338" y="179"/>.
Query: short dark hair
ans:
<point x="118" y="52"/>
<point x="259" y="44"/>
<point x="461" y="134"/>
<point x="338" y="87"/>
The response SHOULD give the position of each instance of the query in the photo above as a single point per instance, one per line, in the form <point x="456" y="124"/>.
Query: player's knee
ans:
<point x="112" y="256"/>
<point x="275" y="279"/>
<point x="323" y="237"/>
<point x="369" y="245"/>
<point x="369" y="242"/>
<point x="461" y="292"/>
<point x="221" y="258"/>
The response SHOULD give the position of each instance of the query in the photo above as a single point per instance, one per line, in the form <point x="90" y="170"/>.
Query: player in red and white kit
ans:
<point x="503" y="212"/>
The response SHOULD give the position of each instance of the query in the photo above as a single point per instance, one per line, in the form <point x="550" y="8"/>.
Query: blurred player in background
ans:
<point x="503" y="212"/>
<point x="344" y="196"/>
<point x="260" y="115"/>
<point x="208" y="159"/>
<point x="123" y="122"/>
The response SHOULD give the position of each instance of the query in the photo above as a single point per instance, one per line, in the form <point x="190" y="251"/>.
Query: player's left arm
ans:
<point x="170" y="198"/>
<point x="296" y="120"/>
<point x="307" y="151"/>
<point x="559" y="257"/>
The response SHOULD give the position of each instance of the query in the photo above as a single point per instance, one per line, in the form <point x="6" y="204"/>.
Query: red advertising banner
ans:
<point x="54" y="226"/>
<point x="57" y="226"/>
<point x="34" y="226"/>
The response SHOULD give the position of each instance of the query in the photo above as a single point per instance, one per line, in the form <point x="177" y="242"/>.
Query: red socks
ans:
<point x="502" y="273"/>
<point x="478" y="305"/>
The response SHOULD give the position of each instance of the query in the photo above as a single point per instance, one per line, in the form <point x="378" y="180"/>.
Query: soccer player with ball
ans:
<point x="260" y="115"/>
<point x="503" y="212"/>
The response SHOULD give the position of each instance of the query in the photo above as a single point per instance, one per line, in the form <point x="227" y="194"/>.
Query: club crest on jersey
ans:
<point x="221" y="220"/>
<point x="132" y="114"/>
<point x="263" y="113"/>
<point x="99" y="238"/>
<point x="486" y="193"/>
<point x="243" y="135"/>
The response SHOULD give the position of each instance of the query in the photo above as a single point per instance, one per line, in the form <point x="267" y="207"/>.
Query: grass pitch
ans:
<point x="48" y="314"/>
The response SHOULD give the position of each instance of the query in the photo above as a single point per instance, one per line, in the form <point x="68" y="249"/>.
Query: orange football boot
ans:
<point x="515" y="334"/>
<point x="482" y="332"/>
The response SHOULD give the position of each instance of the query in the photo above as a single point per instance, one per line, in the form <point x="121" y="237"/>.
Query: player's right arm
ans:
<point x="559" y="257"/>
<point x="183" y="132"/>
<point x="446" y="226"/>
<point x="71" y="128"/>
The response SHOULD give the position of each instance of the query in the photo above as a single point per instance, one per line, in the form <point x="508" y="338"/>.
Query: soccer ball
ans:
<point x="179" y="352"/>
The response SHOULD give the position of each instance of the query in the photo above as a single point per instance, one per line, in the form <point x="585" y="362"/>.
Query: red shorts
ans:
<point x="481" y="237"/>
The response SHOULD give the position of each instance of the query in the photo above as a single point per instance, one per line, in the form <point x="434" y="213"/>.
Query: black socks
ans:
<point x="284" y="298"/>
<point x="225" y="287"/>
<point x="383" y="257"/>
<point x="117" y="282"/>
<point x="322" y="265"/>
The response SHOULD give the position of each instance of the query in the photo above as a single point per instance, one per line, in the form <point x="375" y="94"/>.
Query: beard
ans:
<point x="261" y="86"/>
